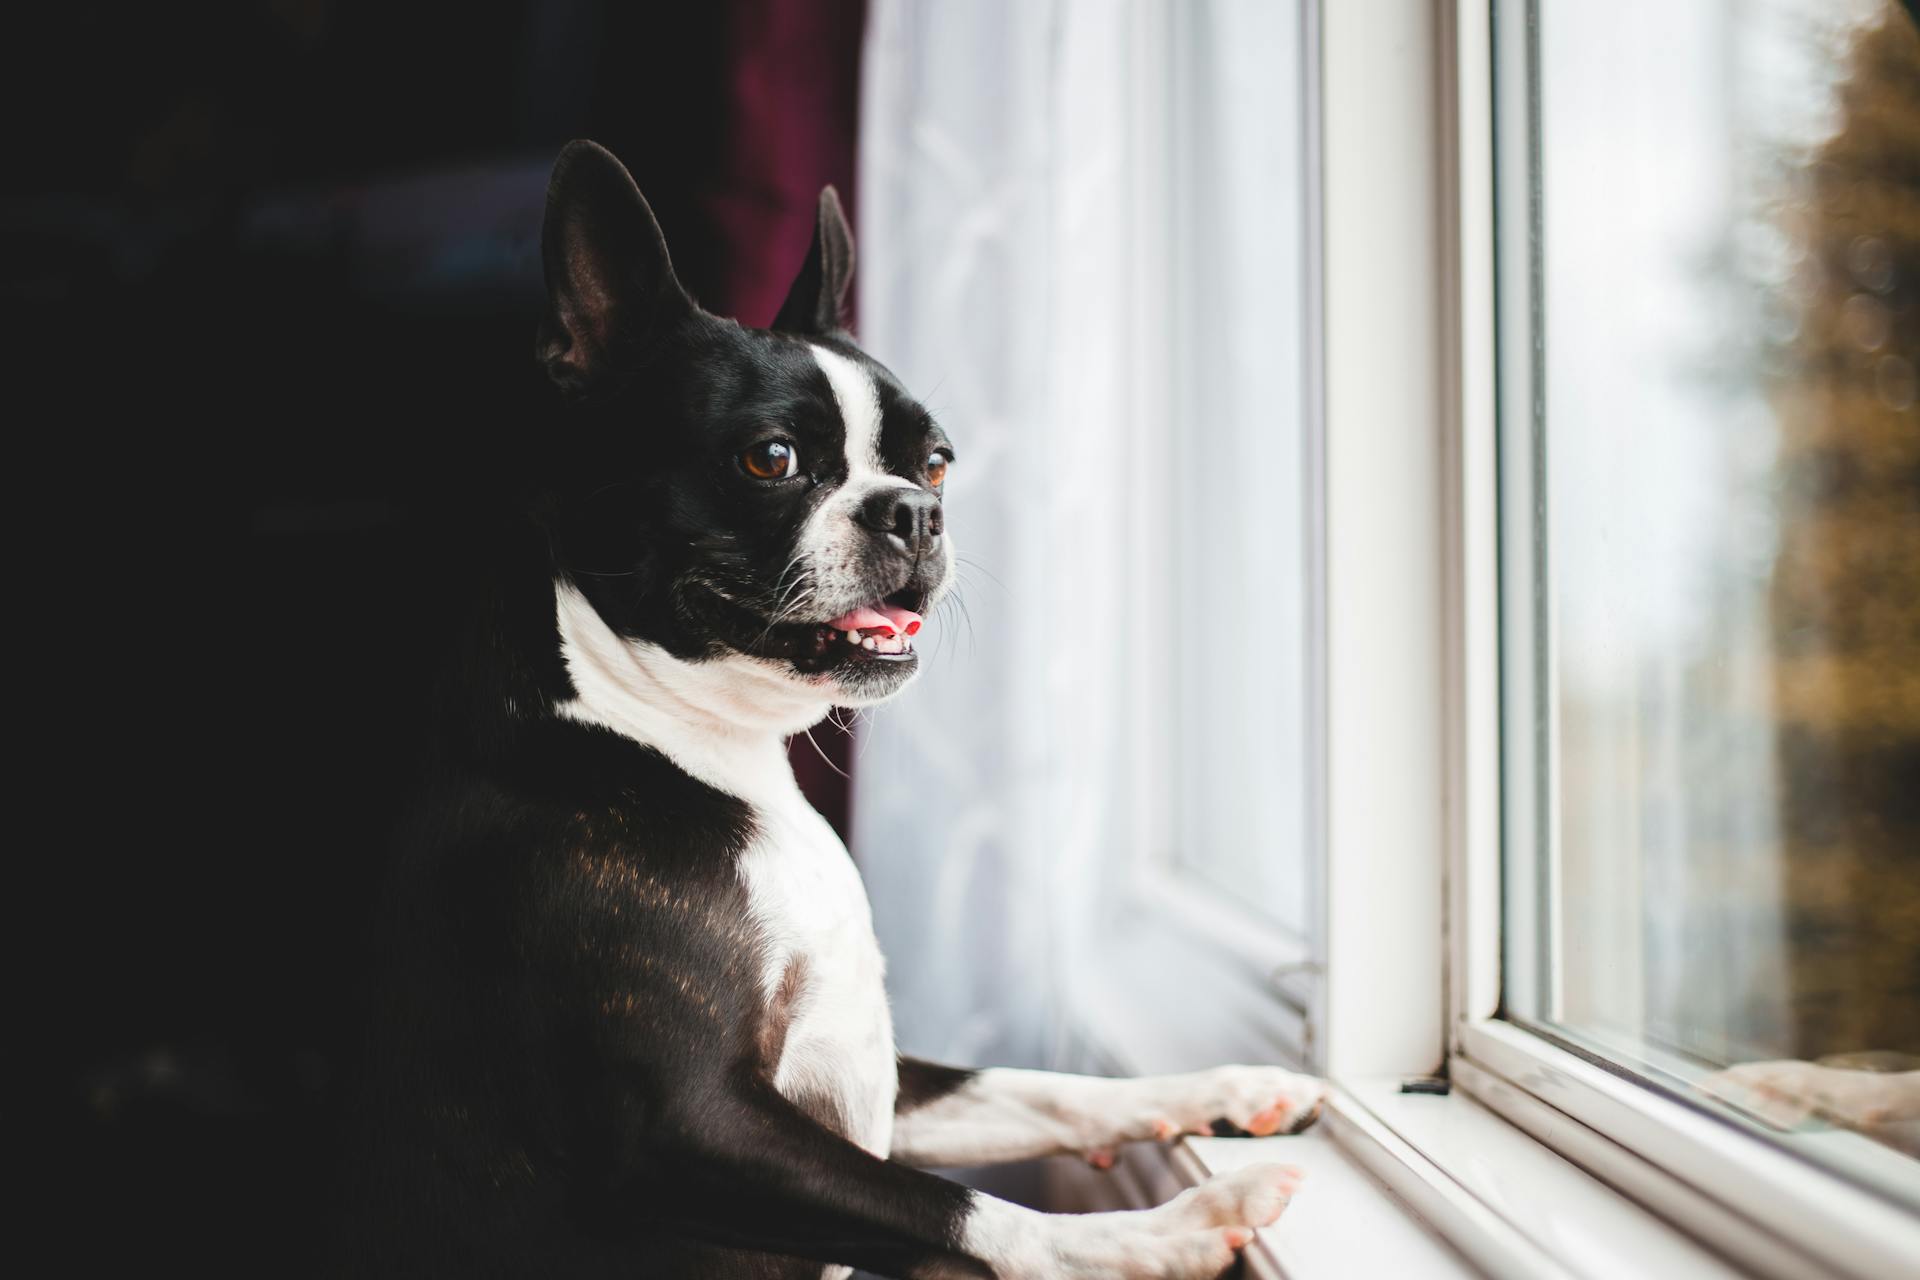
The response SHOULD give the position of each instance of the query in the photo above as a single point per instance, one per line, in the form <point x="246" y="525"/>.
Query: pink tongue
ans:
<point x="889" y="617"/>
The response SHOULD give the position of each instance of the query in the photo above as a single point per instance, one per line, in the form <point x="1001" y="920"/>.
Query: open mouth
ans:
<point x="882" y="631"/>
<point x="879" y="633"/>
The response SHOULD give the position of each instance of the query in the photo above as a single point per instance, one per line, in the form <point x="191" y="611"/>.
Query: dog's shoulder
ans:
<point x="538" y="941"/>
<point x="575" y="828"/>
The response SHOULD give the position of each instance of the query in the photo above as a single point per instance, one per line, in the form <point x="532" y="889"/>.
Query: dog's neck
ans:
<point x="725" y="721"/>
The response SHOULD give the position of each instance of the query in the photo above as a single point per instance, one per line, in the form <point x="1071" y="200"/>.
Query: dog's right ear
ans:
<point x="611" y="290"/>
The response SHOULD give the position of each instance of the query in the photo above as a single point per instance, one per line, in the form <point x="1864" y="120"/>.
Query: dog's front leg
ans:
<point x="949" y="1117"/>
<point x="743" y="1167"/>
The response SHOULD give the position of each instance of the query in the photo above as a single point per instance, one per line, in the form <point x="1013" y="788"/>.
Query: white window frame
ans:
<point x="1413" y="823"/>
<point x="1754" y="1200"/>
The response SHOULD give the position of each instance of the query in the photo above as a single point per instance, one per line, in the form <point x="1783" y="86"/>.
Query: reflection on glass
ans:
<point x="1730" y="466"/>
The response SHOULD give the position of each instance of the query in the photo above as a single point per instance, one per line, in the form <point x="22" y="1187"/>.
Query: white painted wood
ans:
<point x="1471" y="507"/>
<point x="1778" y="1201"/>
<point x="1385" y="387"/>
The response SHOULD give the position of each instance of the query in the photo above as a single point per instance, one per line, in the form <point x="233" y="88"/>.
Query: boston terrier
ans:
<point x="632" y="1019"/>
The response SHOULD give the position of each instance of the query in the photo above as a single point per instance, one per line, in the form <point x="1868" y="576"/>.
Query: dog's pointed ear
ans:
<point x="610" y="285"/>
<point x="818" y="297"/>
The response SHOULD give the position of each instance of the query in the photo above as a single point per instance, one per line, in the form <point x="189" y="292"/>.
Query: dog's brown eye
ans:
<point x="937" y="468"/>
<point x="770" y="460"/>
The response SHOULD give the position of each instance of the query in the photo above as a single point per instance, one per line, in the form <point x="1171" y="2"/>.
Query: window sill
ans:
<point x="1398" y="1184"/>
<point x="1753" y="1200"/>
<point x="1421" y="1186"/>
<point x="1343" y="1222"/>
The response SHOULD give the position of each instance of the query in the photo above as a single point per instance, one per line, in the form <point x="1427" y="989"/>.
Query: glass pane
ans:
<point x="1721" y="634"/>
<point x="1239" y="491"/>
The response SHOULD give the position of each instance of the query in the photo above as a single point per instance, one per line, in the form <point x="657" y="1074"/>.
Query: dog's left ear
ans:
<point x="818" y="297"/>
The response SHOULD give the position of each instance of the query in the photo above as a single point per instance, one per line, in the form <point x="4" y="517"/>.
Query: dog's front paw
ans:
<point x="1094" y="1118"/>
<point x="1238" y="1100"/>
<point x="1251" y="1197"/>
<point x="1194" y="1236"/>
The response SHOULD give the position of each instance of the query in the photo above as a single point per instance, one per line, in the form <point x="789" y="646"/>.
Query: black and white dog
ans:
<point x="632" y="1020"/>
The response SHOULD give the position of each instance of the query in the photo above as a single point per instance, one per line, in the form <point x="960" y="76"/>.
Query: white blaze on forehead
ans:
<point x="832" y="544"/>
<point x="858" y="399"/>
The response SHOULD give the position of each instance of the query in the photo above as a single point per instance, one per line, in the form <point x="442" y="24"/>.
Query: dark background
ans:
<point x="271" y="275"/>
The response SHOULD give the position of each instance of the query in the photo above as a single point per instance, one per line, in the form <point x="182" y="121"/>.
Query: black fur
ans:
<point x="924" y="1082"/>
<point x="819" y="294"/>
<point x="569" y="1071"/>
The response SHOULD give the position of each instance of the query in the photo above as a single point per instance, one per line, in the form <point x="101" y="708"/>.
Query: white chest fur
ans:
<point x="724" y="722"/>
<point x="812" y="910"/>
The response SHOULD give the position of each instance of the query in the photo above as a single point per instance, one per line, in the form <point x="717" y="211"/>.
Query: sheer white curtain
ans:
<point x="1083" y="243"/>
<point x="998" y="278"/>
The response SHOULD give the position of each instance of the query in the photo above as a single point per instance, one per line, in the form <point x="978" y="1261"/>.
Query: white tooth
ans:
<point x="871" y="644"/>
<point x="853" y="637"/>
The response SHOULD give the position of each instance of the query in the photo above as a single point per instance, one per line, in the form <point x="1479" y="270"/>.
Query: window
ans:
<point x="1237" y="453"/>
<point x="1224" y="585"/>
<point x="1709" y="251"/>
<point x="1719" y="721"/>
<point x="1551" y="369"/>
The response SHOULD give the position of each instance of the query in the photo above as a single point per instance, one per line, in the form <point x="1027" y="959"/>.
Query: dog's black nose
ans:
<point x="909" y="517"/>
